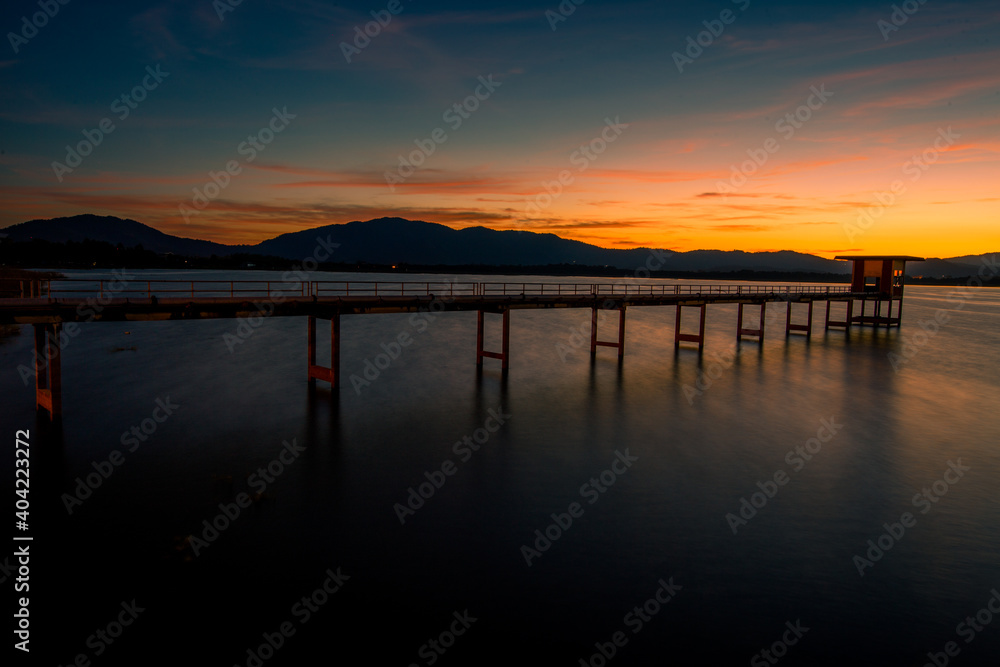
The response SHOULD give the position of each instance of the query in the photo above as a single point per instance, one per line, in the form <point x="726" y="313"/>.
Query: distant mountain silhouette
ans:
<point x="954" y="267"/>
<point x="114" y="230"/>
<point x="399" y="241"/>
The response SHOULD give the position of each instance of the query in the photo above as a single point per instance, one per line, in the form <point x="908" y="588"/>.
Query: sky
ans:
<point x="825" y="128"/>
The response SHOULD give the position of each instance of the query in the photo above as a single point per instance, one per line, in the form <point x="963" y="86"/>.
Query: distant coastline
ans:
<point x="16" y="264"/>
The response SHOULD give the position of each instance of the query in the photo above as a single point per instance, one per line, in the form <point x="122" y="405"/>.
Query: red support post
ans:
<point x="335" y="351"/>
<point x="311" y="350"/>
<point x="747" y="331"/>
<point x="480" y="315"/>
<point x="317" y="372"/>
<point x="806" y="328"/>
<point x="48" y="370"/>
<point x="504" y="354"/>
<point x="505" y="345"/>
<point x="593" y="331"/>
<point x="691" y="338"/>
<point x="620" y="344"/>
<point x="621" y="332"/>
<point x="846" y="322"/>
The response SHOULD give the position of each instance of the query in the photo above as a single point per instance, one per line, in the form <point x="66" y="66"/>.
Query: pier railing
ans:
<point x="82" y="288"/>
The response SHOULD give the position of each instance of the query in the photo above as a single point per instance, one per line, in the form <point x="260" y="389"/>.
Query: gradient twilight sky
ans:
<point x="676" y="177"/>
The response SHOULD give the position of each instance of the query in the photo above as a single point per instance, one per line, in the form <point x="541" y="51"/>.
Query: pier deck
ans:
<point x="52" y="304"/>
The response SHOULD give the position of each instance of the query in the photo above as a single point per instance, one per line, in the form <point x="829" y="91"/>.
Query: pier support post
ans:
<point x="311" y="349"/>
<point x="691" y="338"/>
<point x="48" y="371"/>
<point x="889" y="320"/>
<point x="504" y="354"/>
<point x="860" y="319"/>
<point x="316" y="372"/>
<point x="877" y="318"/>
<point x="807" y="327"/>
<point x="747" y="331"/>
<point x="620" y="344"/>
<point x="848" y="317"/>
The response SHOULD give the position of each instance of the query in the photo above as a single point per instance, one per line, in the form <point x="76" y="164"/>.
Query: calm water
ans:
<point x="694" y="457"/>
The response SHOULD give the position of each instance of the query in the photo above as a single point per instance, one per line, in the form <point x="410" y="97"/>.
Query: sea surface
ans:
<point x="832" y="500"/>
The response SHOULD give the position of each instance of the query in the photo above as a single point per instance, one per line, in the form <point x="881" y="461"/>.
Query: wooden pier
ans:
<point x="50" y="305"/>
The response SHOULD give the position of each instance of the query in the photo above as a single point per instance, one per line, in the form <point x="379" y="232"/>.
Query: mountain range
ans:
<point x="398" y="241"/>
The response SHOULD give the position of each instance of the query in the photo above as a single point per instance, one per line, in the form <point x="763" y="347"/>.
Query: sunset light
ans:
<point x="787" y="130"/>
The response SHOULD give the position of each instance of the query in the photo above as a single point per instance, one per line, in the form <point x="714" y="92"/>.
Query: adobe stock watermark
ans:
<point x="258" y="481"/>
<point x="220" y="180"/>
<point x="901" y="13"/>
<point x="719" y="362"/>
<point x="786" y="126"/>
<point x="38" y="20"/>
<point x="635" y="620"/>
<point x="302" y="611"/>
<point x="223" y="7"/>
<point x="968" y="629"/>
<point x="454" y="116"/>
<point x="713" y="30"/>
<point x="292" y="280"/>
<point x="132" y="439"/>
<point x="393" y="349"/>
<point x="915" y="167"/>
<point x="797" y="458"/>
<point x="581" y="158"/>
<point x="88" y="310"/>
<point x="363" y="36"/>
<point x="22" y="624"/>
<point x="894" y="532"/>
<point x="779" y="649"/>
<point x="434" y="648"/>
<point x="562" y="12"/>
<point x="580" y="336"/>
<point x="930" y="327"/>
<point x="7" y="569"/>
<point x="591" y="490"/>
<point x="121" y="106"/>
<point x="463" y="449"/>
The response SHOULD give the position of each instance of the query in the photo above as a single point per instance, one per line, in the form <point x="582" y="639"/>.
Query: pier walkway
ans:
<point x="49" y="305"/>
